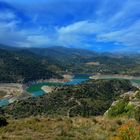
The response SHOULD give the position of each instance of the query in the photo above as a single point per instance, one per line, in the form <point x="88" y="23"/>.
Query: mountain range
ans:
<point x="31" y="64"/>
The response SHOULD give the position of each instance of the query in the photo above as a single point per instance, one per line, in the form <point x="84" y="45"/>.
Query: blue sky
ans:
<point x="101" y="25"/>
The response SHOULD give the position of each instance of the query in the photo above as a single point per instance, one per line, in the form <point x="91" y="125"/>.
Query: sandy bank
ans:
<point x="47" y="89"/>
<point x="114" y="76"/>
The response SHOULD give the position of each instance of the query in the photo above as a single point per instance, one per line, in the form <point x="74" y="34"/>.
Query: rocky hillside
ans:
<point x="128" y="105"/>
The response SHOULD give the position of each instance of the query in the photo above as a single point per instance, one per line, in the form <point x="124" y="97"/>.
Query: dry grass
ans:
<point x="41" y="128"/>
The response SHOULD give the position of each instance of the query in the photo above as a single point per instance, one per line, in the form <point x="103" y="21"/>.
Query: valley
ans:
<point x="69" y="70"/>
<point x="40" y="88"/>
<point x="80" y="87"/>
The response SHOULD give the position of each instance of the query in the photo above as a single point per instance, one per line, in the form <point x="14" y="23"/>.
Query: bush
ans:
<point x="138" y="95"/>
<point x="137" y="114"/>
<point x="128" y="131"/>
<point x="117" y="109"/>
<point x="3" y="121"/>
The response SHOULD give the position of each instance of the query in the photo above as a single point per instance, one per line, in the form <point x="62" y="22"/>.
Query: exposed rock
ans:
<point x="131" y="100"/>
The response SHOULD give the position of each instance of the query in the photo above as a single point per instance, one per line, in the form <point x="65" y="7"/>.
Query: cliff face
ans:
<point x="128" y="105"/>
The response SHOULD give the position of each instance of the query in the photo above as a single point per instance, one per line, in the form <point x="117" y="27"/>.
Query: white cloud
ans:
<point x="128" y="37"/>
<point x="77" y="34"/>
<point x="38" y="40"/>
<point x="7" y="15"/>
<point x="121" y="27"/>
<point x="81" y="27"/>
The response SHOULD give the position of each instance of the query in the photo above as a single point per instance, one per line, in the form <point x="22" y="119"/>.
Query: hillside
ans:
<point x="22" y="66"/>
<point x="59" y="52"/>
<point x="127" y="105"/>
<point x="76" y="60"/>
<point x="70" y="113"/>
<point x="61" y="60"/>
<point x="91" y="98"/>
<point x="78" y="128"/>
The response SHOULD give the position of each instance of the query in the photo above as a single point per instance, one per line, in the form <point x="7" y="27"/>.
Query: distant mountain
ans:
<point x="63" y="54"/>
<point x="23" y="66"/>
<point x="74" y="60"/>
<point x="63" y="50"/>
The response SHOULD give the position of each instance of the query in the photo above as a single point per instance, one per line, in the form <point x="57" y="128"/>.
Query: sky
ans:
<point x="100" y="25"/>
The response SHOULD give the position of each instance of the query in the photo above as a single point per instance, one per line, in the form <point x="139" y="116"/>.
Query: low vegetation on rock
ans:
<point x="128" y="105"/>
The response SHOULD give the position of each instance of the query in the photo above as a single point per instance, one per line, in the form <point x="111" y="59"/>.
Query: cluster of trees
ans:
<point x="91" y="98"/>
<point x="23" y="66"/>
<point x="109" y="65"/>
<point x="3" y="120"/>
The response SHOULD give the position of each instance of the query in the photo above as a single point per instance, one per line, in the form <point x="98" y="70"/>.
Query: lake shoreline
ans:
<point x="48" y="85"/>
<point x="127" y="77"/>
<point x="134" y="80"/>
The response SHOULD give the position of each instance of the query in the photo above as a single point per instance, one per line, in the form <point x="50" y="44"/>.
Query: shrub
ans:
<point x="118" y="109"/>
<point x="138" y="95"/>
<point x="137" y="114"/>
<point x="3" y="121"/>
<point x="128" y="131"/>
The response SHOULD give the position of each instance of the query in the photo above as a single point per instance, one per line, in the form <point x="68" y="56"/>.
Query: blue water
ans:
<point x="76" y="80"/>
<point x="4" y="102"/>
<point x="38" y="93"/>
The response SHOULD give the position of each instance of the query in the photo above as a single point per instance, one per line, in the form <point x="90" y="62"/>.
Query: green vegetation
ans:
<point x="67" y="105"/>
<point x="23" y="66"/>
<point x="91" y="98"/>
<point x="138" y="95"/>
<point x="121" y="108"/>
<point x="3" y="121"/>
<point x="128" y="106"/>
<point x="137" y="113"/>
<point x="75" y="61"/>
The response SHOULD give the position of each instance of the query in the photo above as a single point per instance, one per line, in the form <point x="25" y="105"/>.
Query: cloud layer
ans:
<point x="102" y="25"/>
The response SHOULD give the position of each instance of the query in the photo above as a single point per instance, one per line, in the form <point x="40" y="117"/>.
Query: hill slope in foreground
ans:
<point x="71" y="113"/>
<point x="77" y="128"/>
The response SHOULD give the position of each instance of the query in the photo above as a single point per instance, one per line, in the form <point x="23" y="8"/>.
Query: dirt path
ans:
<point x="78" y="104"/>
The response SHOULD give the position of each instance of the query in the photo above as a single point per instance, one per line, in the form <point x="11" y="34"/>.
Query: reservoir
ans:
<point x="35" y="89"/>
